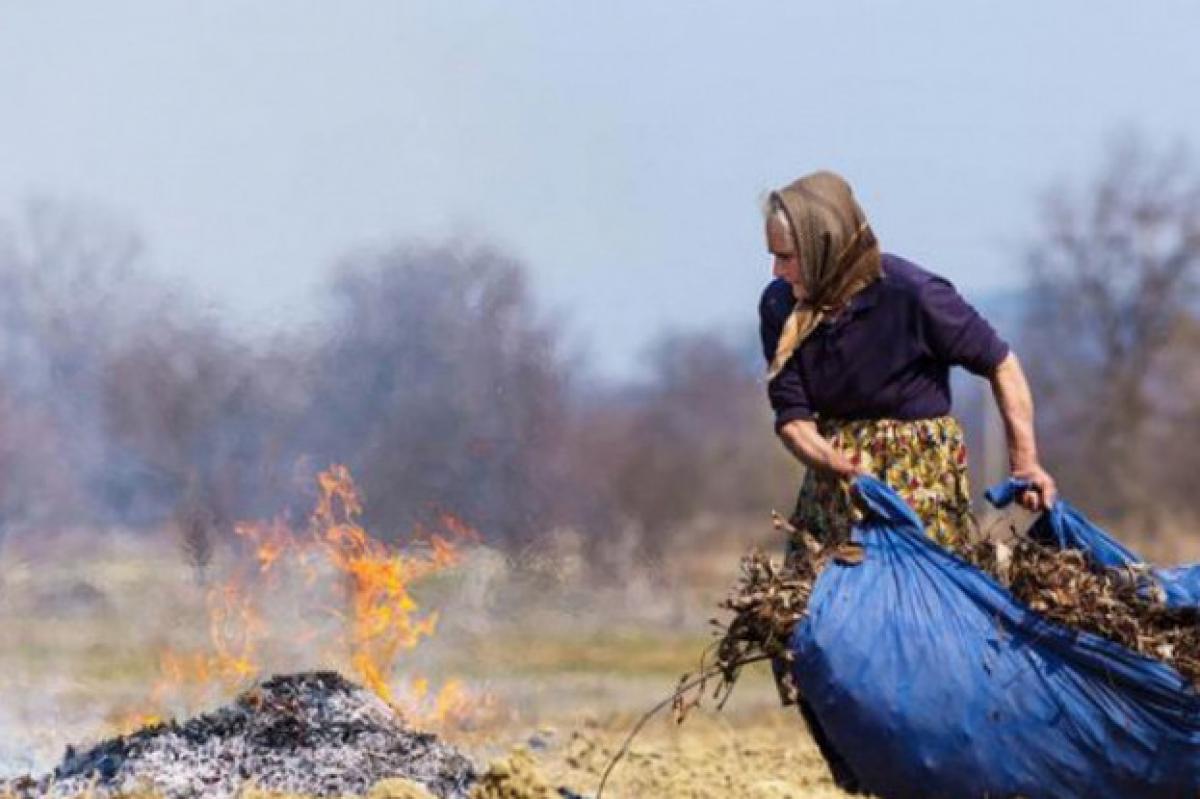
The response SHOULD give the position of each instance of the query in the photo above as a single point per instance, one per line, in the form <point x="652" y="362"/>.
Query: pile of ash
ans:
<point x="314" y="733"/>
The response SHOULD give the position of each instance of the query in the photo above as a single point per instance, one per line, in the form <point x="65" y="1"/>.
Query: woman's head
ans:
<point x="823" y="246"/>
<point x="781" y="243"/>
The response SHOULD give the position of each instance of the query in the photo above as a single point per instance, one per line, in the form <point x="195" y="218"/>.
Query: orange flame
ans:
<point x="271" y="540"/>
<point x="380" y="619"/>
<point x="383" y="619"/>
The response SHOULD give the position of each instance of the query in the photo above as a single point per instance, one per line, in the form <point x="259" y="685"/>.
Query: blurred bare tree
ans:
<point x="436" y="377"/>
<point x="197" y="529"/>
<point x="442" y="386"/>
<point x="696" y="438"/>
<point x="67" y="298"/>
<point x="1110" y="335"/>
<point x="114" y="388"/>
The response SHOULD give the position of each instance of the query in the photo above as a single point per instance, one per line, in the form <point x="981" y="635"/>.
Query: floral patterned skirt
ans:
<point x="924" y="460"/>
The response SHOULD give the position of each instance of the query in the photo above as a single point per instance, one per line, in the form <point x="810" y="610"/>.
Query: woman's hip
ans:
<point x="924" y="460"/>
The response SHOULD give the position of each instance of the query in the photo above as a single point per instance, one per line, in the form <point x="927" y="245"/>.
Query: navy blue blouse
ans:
<point x="887" y="355"/>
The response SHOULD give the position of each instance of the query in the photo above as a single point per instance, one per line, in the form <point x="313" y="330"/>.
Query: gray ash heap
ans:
<point x="313" y="733"/>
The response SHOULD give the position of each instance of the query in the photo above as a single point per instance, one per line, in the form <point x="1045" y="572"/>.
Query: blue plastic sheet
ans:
<point x="1066" y="528"/>
<point x="930" y="680"/>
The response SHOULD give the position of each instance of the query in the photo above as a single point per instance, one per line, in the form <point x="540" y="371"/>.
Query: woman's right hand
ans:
<point x="850" y="471"/>
<point x="803" y="440"/>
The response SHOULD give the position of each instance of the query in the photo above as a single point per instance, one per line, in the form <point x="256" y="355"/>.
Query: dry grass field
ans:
<point x="537" y="661"/>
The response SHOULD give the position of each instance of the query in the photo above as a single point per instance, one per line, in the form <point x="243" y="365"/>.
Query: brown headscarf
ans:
<point x="839" y="254"/>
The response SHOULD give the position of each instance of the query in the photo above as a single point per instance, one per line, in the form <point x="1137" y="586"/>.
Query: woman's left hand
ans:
<point x="1042" y="492"/>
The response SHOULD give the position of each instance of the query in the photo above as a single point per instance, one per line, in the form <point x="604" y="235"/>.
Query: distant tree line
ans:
<point x="433" y="376"/>
<point x="438" y="380"/>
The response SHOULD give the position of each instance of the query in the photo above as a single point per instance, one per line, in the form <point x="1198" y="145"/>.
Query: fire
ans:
<point x="363" y="586"/>
<point x="271" y="539"/>
<point x="384" y="618"/>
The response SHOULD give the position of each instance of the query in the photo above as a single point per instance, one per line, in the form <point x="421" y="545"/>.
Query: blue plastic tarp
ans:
<point x="1066" y="528"/>
<point x="930" y="680"/>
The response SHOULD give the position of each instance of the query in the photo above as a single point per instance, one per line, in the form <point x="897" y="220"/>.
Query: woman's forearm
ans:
<point x="803" y="440"/>
<point x="1015" y="401"/>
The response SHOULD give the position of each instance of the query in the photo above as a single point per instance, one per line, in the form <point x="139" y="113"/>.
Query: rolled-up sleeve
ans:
<point x="788" y="398"/>
<point x="955" y="332"/>
<point x="786" y="390"/>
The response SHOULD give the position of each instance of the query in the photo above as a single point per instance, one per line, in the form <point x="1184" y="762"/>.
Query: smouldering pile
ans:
<point x="314" y="733"/>
<point x="1122" y="606"/>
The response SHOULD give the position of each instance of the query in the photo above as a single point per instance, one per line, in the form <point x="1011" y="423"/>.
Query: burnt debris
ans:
<point x="314" y="733"/>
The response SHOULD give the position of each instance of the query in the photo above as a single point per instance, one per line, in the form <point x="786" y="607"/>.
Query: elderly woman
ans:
<point x="859" y="345"/>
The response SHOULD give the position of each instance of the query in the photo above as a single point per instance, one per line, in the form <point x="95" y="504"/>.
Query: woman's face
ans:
<point x="782" y="247"/>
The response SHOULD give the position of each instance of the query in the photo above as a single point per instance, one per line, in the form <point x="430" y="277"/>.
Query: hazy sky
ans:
<point x="619" y="148"/>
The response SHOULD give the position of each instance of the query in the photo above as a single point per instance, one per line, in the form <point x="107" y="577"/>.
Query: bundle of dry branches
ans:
<point x="766" y="602"/>
<point x="1121" y="605"/>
